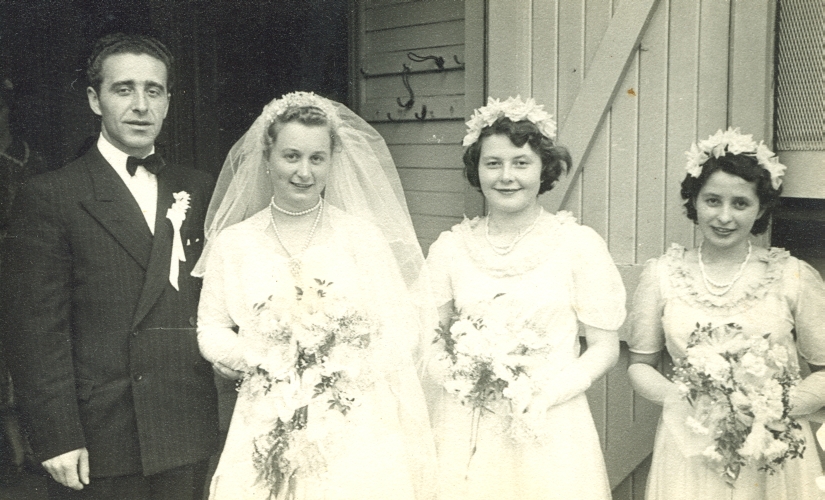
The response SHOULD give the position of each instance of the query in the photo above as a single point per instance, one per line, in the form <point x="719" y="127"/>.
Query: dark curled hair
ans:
<point x="554" y="159"/>
<point x="740" y="165"/>
<point x="120" y="43"/>
<point x="305" y="115"/>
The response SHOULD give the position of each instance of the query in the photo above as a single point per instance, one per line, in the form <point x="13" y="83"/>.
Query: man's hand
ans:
<point x="70" y="469"/>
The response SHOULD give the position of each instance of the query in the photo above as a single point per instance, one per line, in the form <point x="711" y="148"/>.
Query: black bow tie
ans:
<point x="153" y="163"/>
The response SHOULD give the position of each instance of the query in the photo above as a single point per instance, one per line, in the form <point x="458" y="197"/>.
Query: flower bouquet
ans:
<point x="315" y="348"/>
<point x="738" y="386"/>
<point x="493" y="360"/>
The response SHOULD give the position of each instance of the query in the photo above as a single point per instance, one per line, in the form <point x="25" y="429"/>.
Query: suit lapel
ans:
<point x="157" y="272"/>
<point x="116" y="210"/>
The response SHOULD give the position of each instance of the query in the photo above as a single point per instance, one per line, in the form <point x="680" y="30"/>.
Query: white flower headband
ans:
<point x="298" y="100"/>
<point x="732" y="141"/>
<point x="513" y="108"/>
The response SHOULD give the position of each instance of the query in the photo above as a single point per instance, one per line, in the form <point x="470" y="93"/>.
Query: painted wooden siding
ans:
<point x="427" y="152"/>
<point x="632" y="84"/>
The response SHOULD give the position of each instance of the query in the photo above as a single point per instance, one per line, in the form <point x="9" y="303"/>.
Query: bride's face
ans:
<point x="299" y="162"/>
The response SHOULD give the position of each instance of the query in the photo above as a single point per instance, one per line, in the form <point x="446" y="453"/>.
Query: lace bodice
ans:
<point x="778" y="294"/>
<point x="559" y="274"/>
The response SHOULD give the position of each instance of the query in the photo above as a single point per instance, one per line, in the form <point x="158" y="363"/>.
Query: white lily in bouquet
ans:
<point x="313" y="350"/>
<point x="497" y="362"/>
<point x="738" y="385"/>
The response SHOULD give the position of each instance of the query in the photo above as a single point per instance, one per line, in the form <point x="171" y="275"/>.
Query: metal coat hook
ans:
<point x="405" y="77"/>
<point x="455" y="58"/>
<point x="423" y="113"/>
<point x="439" y="61"/>
<point x="390" y="118"/>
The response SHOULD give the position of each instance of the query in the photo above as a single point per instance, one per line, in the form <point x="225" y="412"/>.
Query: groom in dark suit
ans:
<point x="100" y="305"/>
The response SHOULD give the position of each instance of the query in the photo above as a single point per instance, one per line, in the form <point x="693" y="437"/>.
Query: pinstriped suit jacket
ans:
<point x="103" y="349"/>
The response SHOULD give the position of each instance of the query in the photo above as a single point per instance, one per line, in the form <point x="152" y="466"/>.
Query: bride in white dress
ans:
<point x="524" y="283"/>
<point x="309" y="296"/>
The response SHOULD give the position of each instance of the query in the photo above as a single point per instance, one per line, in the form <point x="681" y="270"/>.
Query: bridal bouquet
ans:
<point x="738" y="385"/>
<point x="315" y="351"/>
<point x="490" y="360"/>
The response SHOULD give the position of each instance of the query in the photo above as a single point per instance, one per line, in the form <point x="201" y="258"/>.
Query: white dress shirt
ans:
<point x="143" y="185"/>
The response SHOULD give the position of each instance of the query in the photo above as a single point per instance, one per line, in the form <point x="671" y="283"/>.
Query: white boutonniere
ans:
<point x="177" y="214"/>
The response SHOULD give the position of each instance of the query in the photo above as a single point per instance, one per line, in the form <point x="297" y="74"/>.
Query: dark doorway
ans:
<point x="232" y="57"/>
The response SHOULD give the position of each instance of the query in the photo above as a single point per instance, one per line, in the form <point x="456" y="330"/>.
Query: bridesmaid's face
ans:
<point x="299" y="163"/>
<point x="727" y="207"/>
<point x="509" y="176"/>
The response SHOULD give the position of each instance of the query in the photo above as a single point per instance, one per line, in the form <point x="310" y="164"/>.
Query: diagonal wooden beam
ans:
<point x="598" y="89"/>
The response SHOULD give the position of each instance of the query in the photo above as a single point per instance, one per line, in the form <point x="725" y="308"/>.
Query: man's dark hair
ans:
<point x="121" y="43"/>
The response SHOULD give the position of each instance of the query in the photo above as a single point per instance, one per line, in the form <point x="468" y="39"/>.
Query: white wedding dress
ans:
<point x="558" y="276"/>
<point x="382" y="447"/>
<point x="782" y="296"/>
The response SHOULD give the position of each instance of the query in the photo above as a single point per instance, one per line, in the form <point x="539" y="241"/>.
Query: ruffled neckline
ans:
<point x="690" y="288"/>
<point x="529" y="253"/>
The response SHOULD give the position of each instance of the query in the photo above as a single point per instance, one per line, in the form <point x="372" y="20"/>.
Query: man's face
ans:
<point x="133" y="101"/>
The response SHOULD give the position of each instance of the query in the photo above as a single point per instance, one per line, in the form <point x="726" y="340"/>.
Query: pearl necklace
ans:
<point x="504" y="250"/>
<point x="294" y="214"/>
<point x="295" y="261"/>
<point x="710" y="284"/>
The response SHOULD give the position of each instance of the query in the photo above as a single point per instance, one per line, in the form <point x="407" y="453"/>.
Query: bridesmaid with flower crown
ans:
<point x="515" y="288"/>
<point x="765" y="302"/>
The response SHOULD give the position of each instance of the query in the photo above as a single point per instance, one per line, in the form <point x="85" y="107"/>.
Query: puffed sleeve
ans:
<point x="439" y="263"/>
<point x="599" y="294"/>
<point x="647" y="336"/>
<point x="809" y="314"/>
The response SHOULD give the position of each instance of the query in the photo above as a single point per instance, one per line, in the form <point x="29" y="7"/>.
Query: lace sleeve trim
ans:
<point x="686" y="285"/>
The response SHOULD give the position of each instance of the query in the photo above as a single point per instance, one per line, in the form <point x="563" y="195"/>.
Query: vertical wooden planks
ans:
<point x="751" y="86"/>
<point x="624" y="119"/>
<point x="682" y="104"/>
<point x="652" y="138"/>
<point x="570" y="49"/>
<point x="509" y="61"/>
<point x="712" y="87"/>
<point x="475" y="82"/>
<point x="570" y="73"/>
<point x="595" y="179"/>
<point x="545" y="55"/>
<point x="595" y="185"/>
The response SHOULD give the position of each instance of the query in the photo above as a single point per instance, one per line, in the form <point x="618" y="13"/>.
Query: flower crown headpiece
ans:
<point x="298" y="100"/>
<point x="732" y="141"/>
<point x="513" y="108"/>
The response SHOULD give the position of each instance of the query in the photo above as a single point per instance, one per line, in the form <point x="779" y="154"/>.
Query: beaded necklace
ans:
<point x="294" y="214"/>
<point x="712" y="286"/>
<point x="295" y="260"/>
<point x="504" y="250"/>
